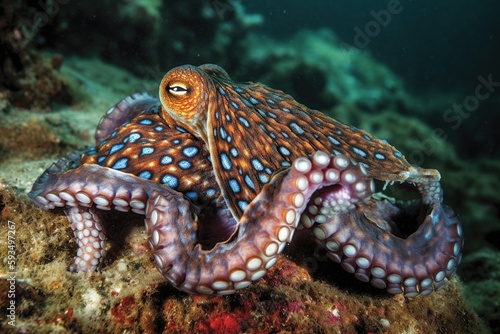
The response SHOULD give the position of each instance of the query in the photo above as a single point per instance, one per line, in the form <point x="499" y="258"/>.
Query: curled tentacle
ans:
<point x="362" y="242"/>
<point x="266" y="226"/>
<point x="121" y="112"/>
<point x="260" y="236"/>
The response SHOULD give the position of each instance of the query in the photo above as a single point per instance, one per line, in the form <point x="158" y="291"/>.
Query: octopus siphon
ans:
<point x="226" y="172"/>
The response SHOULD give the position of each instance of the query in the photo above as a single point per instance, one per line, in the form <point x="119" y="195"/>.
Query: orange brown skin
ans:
<point x="194" y="96"/>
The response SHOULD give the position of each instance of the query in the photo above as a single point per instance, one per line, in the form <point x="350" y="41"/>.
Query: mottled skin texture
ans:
<point x="224" y="173"/>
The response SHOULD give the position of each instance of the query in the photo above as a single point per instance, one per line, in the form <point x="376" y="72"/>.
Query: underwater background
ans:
<point x="423" y="75"/>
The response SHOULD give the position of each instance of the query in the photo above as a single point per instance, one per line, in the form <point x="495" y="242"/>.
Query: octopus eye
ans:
<point x="177" y="89"/>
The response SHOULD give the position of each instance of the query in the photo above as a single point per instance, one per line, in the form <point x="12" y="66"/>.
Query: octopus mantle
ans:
<point x="225" y="172"/>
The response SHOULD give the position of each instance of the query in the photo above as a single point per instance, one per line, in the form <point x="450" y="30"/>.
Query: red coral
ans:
<point x="224" y="323"/>
<point x="125" y="311"/>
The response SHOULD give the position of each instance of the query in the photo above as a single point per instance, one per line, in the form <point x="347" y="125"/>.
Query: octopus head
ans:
<point x="185" y="93"/>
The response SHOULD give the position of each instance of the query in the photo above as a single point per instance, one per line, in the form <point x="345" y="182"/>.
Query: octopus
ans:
<point x="224" y="174"/>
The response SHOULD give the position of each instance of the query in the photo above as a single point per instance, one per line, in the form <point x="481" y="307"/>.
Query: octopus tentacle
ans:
<point x="88" y="188"/>
<point x="414" y="266"/>
<point x="261" y="234"/>
<point x="124" y="110"/>
<point x="50" y="175"/>
<point x="352" y="185"/>
<point x="266" y="226"/>
<point x="87" y="227"/>
<point x="102" y="187"/>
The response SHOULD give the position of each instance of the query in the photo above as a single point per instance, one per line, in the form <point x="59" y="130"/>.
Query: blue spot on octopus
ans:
<point x="319" y="176"/>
